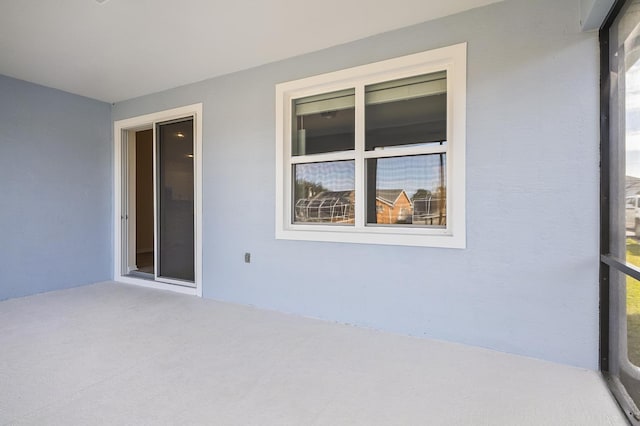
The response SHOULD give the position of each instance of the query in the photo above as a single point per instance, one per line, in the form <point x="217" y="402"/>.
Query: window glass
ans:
<point x="176" y="250"/>
<point x="631" y="131"/>
<point x="630" y="128"/>
<point x="408" y="190"/>
<point x="621" y="348"/>
<point x="409" y="111"/>
<point x="633" y="309"/>
<point x="323" y="123"/>
<point x="324" y="192"/>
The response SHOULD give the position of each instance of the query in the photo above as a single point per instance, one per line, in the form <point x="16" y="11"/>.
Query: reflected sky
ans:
<point x="333" y="176"/>
<point x="410" y="173"/>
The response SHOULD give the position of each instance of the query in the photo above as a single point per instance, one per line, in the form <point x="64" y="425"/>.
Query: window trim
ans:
<point x="451" y="59"/>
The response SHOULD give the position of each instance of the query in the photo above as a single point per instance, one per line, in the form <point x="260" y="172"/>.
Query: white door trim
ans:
<point x="145" y="122"/>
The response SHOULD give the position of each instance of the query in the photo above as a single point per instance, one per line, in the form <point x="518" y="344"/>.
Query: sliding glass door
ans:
<point x="158" y="200"/>
<point x="158" y="235"/>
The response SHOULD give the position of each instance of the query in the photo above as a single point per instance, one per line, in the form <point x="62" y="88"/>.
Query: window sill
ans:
<point x="384" y="236"/>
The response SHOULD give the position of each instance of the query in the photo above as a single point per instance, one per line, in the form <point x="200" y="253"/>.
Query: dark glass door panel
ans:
<point x="175" y="200"/>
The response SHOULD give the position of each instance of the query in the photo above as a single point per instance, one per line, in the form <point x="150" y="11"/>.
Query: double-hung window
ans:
<point x="375" y="154"/>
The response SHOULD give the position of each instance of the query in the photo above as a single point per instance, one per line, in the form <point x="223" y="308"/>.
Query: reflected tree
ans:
<point x="306" y="189"/>
<point x="421" y="194"/>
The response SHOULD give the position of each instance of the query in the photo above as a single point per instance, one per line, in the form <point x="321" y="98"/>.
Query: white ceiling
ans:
<point x="121" y="49"/>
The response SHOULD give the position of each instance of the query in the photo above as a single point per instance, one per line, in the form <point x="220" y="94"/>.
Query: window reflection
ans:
<point x="408" y="190"/>
<point x="324" y="192"/>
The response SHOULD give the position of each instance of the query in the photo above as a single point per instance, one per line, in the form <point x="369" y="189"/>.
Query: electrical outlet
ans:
<point x="247" y="258"/>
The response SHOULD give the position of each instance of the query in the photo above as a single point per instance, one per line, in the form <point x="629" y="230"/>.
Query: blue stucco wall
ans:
<point x="55" y="189"/>
<point x="527" y="282"/>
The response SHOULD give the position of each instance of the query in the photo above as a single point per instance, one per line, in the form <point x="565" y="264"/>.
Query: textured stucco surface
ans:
<point x="527" y="282"/>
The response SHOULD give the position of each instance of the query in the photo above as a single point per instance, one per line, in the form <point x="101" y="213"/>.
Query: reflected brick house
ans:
<point x="393" y="206"/>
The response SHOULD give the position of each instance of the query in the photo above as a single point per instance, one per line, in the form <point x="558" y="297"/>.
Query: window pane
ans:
<point x="406" y="112"/>
<point x="631" y="130"/>
<point x="324" y="192"/>
<point x="628" y="322"/>
<point x="633" y="306"/>
<point x="408" y="190"/>
<point x="632" y="212"/>
<point x="624" y="186"/>
<point x="323" y="123"/>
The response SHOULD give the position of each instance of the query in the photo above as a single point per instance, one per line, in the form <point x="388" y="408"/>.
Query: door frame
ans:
<point x="143" y="122"/>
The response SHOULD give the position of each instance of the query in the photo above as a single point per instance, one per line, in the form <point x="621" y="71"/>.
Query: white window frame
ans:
<point x="453" y="60"/>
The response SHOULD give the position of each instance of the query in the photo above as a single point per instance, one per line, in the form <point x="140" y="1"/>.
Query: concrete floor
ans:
<point x="116" y="354"/>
